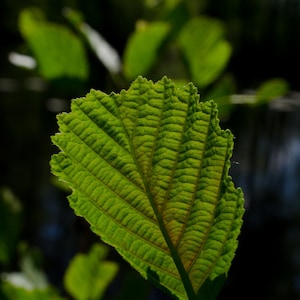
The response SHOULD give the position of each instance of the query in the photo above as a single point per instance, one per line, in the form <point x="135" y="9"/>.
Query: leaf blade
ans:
<point x="149" y="170"/>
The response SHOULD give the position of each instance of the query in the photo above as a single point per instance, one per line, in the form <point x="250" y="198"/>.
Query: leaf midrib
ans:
<point x="148" y="193"/>
<point x="89" y="198"/>
<point x="173" y="251"/>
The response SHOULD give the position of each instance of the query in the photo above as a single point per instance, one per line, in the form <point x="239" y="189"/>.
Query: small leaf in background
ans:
<point x="58" y="51"/>
<point x="149" y="171"/>
<point x="142" y="48"/>
<point x="105" y="52"/>
<point x="205" y="49"/>
<point x="88" y="275"/>
<point x="10" y="222"/>
<point x="271" y="89"/>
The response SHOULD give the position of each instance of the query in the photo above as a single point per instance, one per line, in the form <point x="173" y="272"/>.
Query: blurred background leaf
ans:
<point x="102" y="49"/>
<point x="65" y="54"/>
<point x="142" y="49"/>
<point x="271" y="89"/>
<point x="205" y="49"/>
<point x="15" y="291"/>
<point x="30" y="283"/>
<point x="88" y="275"/>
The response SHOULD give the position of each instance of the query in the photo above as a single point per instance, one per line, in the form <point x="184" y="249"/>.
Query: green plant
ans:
<point x="30" y="282"/>
<point x="87" y="275"/>
<point x="149" y="171"/>
<point x="58" y="51"/>
<point x="185" y="47"/>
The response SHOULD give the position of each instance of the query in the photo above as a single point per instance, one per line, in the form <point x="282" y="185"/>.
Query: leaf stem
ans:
<point x="178" y="262"/>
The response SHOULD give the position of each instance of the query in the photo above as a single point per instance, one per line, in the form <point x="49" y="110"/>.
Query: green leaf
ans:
<point x="149" y="171"/>
<point x="142" y="47"/>
<point x="205" y="49"/>
<point x="59" y="53"/>
<point x="88" y="276"/>
<point x="28" y="284"/>
<point x="271" y="89"/>
<point x="15" y="292"/>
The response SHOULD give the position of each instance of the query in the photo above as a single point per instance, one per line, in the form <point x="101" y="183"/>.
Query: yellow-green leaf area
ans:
<point x="142" y="48"/>
<point x="148" y="168"/>
<point x="205" y="49"/>
<point x="88" y="275"/>
<point x="65" y="57"/>
<point x="272" y="89"/>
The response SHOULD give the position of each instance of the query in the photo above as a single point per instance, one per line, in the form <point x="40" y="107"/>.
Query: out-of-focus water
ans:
<point x="267" y="149"/>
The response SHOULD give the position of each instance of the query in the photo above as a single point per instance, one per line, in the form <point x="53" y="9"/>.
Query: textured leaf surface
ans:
<point x="149" y="171"/>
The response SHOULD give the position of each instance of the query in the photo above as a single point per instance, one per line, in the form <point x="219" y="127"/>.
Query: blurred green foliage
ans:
<point x="142" y="48"/>
<point x="30" y="283"/>
<point x="176" y="42"/>
<point x="271" y="89"/>
<point x="11" y="291"/>
<point x="88" y="276"/>
<point x="206" y="51"/>
<point x="58" y="51"/>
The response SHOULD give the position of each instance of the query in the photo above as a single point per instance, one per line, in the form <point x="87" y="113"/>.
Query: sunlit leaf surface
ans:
<point x="149" y="171"/>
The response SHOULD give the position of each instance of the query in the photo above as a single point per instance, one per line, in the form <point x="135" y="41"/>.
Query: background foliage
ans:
<point x="256" y="44"/>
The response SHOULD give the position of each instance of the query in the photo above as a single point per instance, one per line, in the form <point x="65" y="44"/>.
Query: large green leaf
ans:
<point x="149" y="171"/>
